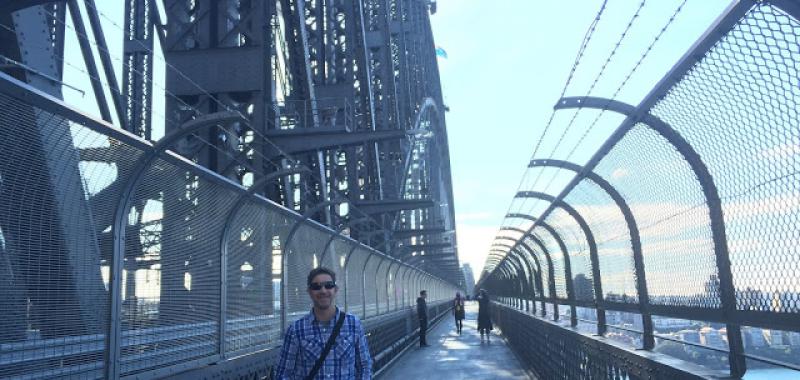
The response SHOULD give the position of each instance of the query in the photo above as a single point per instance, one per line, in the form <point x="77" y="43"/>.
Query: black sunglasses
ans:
<point x="319" y="285"/>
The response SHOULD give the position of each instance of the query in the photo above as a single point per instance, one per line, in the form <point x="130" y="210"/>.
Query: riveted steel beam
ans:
<point x="312" y="139"/>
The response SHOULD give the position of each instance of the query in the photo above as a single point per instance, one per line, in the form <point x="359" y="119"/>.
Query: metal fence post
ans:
<point x="347" y="277"/>
<point x="377" y="288"/>
<point x="364" y="284"/>
<point x="388" y="278"/>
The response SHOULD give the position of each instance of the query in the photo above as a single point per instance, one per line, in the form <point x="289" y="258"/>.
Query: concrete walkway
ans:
<point x="451" y="356"/>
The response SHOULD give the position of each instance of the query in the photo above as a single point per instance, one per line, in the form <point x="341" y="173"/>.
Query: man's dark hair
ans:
<point x="318" y="271"/>
<point x="421" y="292"/>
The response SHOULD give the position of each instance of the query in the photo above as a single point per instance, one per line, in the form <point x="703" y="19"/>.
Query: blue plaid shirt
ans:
<point x="305" y="339"/>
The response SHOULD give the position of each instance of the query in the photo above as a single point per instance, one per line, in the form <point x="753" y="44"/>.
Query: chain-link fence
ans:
<point x="121" y="258"/>
<point x="681" y="232"/>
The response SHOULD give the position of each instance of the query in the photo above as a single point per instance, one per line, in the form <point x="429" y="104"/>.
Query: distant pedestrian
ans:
<point x="422" y="314"/>
<point x="484" y="318"/>
<point x="326" y="343"/>
<point x="458" y="312"/>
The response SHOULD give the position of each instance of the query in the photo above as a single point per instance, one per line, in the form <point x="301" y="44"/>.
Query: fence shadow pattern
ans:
<point x="688" y="212"/>
<point x="121" y="258"/>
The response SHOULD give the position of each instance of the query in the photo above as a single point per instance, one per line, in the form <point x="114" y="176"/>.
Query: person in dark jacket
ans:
<point x="422" y="313"/>
<point x="458" y="312"/>
<point x="484" y="320"/>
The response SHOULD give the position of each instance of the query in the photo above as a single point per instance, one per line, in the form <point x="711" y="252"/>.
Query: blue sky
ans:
<point x="506" y="67"/>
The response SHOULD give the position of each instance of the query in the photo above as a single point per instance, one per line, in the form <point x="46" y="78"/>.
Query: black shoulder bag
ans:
<point x="327" y="348"/>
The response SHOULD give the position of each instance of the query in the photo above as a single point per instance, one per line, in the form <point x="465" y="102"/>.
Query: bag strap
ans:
<point x="327" y="348"/>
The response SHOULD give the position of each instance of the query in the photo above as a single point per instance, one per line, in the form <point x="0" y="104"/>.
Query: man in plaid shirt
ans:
<point x="305" y="339"/>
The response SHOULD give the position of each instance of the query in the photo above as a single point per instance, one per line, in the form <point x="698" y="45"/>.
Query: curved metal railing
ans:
<point x="682" y="228"/>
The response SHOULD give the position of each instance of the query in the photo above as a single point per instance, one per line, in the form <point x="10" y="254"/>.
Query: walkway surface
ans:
<point x="451" y="356"/>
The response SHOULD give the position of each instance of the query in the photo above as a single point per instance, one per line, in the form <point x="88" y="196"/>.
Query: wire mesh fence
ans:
<point x="690" y="207"/>
<point x="119" y="259"/>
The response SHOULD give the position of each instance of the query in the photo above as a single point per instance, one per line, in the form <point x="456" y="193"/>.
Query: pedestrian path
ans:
<point x="451" y="356"/>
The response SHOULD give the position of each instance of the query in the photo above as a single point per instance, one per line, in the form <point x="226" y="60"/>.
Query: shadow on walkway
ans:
<point x="451" y="356"/>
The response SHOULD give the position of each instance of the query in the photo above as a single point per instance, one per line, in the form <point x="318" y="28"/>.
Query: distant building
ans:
<point x="619" y="318"/>
<point x="690" y="336"/>
<point x="753" y="337"/>
<point x="613" y="318"/>
<point x="709" y="336"/>
<point x="663" y="323"/>
<point x="777" y="338"/>
<point x="794" y="338"/>
<point x="586" y="314"/>
<point x="469" y="278"/>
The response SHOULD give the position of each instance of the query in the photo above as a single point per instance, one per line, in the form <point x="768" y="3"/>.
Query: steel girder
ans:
<point x="357" y="52"/>
<point x="137" y="69"/>
<point x="330" y="52"/>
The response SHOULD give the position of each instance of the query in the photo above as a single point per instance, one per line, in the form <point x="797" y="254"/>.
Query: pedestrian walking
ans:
<point x="422" y="314"/>
<point x="326" y="343"/>
<point x="458" y="312"/>
<point x="484" y="318"/>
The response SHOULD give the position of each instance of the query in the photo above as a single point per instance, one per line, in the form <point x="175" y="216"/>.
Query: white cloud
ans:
<point x="781" y="152"/>
<point x="619" y="173"/>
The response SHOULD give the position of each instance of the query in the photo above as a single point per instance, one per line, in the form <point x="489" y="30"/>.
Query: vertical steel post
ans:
<point x="388" y="278"/>
<point x="364" y="284"/>
<point x="573" y="318"/>
<point x="377" y="288"/>
<point x="347" y="277"/>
